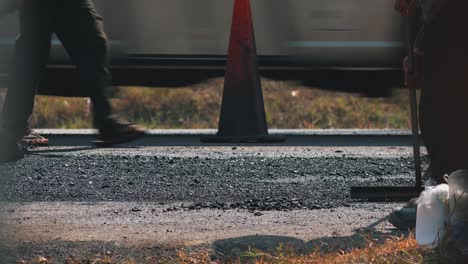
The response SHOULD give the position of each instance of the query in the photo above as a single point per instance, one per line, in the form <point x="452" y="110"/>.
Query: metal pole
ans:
<point x="410" y="33"/>
<point x="415" y="132"/>
<point x="385" y="193"/>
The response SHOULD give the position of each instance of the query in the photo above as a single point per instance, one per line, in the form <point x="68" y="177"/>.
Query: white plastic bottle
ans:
<point x="431" y="215"/>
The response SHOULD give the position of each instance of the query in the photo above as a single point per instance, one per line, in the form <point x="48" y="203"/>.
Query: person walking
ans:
<point x="79" y="28"/>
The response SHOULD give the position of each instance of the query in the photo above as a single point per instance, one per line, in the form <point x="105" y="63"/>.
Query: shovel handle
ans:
<point x="410" y="37"/>
<point x="415" y="136"/>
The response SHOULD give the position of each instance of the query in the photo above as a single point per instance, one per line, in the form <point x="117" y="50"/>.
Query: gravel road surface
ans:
<point x="131" y="201"/>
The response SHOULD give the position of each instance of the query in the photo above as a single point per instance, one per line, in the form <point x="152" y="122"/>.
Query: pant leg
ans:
<point x="80" y="29"/>
<point x="444" y="97"/>
<point x="30" y="57"/>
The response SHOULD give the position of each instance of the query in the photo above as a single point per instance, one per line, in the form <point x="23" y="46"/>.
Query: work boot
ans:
<point x="114" y="132"/>
<point x="10" y="150"/>
<point x="405" y="218"/>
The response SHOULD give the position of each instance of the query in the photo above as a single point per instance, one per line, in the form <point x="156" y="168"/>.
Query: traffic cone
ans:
<point x="242" y="118"/>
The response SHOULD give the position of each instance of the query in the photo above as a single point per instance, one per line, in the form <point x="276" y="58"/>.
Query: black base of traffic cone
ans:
<point x="236" y="140"/>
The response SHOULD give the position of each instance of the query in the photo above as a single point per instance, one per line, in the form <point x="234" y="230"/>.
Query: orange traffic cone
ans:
<point x="242" y="118"/>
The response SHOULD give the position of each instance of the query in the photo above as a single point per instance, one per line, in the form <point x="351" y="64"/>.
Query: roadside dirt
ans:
<point x="158" y="201"/>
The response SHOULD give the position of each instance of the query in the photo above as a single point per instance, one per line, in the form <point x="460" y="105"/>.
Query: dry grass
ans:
<point x="288" y="105"/>
<point x="294" y="106"/>
<point x="394" y="250"/>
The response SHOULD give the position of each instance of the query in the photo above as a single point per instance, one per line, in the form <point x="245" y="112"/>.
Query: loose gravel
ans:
<point x="69" y="200"/>
<point x="245" y="182"/>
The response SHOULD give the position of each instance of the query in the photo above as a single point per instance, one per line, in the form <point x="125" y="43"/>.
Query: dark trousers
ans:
<point x="444" y="96"/>
<point x="80" y="30"/>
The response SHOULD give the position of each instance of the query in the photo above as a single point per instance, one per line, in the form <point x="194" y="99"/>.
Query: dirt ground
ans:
<point x="156" y="201"/>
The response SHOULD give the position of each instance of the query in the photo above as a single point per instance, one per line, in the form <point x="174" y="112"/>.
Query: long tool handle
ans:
<point x="410" y="36"/>
<point x="415" y="132"/>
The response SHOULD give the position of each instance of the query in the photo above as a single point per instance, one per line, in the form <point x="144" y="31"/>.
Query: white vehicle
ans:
<point x="192" y="37"/>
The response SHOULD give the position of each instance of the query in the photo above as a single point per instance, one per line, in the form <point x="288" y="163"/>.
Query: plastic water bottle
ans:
<point x="431" y="215"/>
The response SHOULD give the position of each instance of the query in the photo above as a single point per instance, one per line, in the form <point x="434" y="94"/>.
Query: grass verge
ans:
<point x="394" y="250"/>
<point x="288" y="105"/>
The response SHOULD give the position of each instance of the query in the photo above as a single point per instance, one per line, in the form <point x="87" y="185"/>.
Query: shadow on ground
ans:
<point x="233" y="250"/>
<point x="243" y="248"/>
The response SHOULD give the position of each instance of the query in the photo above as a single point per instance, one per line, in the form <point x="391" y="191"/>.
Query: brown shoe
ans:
<point x="119" y="133"/>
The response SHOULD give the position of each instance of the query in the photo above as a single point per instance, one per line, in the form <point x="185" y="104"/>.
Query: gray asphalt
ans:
<point x="246" y="181"/>
<point x="214" y="186"/>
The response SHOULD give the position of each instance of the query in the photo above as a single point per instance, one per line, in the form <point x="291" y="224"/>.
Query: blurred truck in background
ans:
<point x="174" y="42"/>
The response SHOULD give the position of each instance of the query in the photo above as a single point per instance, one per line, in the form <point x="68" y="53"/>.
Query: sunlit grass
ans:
<point x="396" y="250"/>
<point x="288" y="105"/>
